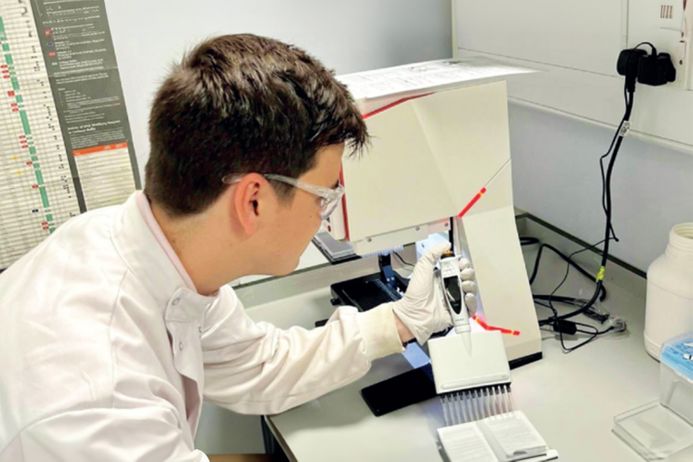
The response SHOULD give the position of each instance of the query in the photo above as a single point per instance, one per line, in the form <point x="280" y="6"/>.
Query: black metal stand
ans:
<point x="372" y="290"/>
<point x="272" y="446"/>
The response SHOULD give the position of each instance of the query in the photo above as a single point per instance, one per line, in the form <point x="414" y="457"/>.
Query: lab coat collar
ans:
<point x="147" y="259"/>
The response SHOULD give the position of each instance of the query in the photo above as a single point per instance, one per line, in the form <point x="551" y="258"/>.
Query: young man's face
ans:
<point x="299" y="218"/>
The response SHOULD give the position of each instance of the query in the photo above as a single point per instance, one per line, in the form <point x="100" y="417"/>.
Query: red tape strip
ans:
<point x="502" y="330"/>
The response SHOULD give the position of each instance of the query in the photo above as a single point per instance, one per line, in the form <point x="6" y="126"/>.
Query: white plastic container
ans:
<point x="669" y="306"/>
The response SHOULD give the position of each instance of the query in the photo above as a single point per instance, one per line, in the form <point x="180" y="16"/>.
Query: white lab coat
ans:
<point x="106" y="353"/>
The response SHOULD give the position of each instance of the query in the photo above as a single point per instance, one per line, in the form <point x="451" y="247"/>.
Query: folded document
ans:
<point x="506" y="437"/>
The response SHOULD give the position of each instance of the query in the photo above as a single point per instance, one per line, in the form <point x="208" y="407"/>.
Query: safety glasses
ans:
<point x="329" y="197"/>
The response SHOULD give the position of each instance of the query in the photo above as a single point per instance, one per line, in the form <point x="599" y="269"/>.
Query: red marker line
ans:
<point x="502" y="330"/>
<point x="344" y="207"/>
<point x="472" y="202"/>
<point x="393" y="104"/>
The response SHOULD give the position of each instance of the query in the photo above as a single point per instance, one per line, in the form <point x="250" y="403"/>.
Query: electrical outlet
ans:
<point x="670" y="14"/>
<point x="667" y="24"/>
<point x="671" y="21"/>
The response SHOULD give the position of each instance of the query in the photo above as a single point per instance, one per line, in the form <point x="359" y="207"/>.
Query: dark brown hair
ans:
<point x="240" y="104"/>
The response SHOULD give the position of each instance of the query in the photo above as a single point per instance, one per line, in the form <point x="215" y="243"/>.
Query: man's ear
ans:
<point x="249" y="198"/>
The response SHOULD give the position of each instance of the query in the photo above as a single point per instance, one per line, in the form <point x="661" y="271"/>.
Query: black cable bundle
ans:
<point x="635" y="65"/>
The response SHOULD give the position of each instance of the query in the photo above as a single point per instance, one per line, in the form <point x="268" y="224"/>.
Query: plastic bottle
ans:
<point x="669" y="304"/>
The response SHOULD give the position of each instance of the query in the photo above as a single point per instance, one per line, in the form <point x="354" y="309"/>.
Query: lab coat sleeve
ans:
<point x="145" y="433"/>
<point x="257" y="368"/>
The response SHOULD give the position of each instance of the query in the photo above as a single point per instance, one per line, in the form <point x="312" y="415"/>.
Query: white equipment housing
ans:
<point x="438" y="152"/>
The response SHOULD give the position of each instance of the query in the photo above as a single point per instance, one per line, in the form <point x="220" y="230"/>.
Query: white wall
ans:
<point x="556" y="173"/>
<point x="347" y="36"/>
<point x="556" y="177"/>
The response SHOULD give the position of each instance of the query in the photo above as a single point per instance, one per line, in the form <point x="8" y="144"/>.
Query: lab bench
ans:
<point x="570" y="398"/>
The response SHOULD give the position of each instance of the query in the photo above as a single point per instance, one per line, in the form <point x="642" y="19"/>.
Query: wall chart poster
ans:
<point x="65" y="141"/>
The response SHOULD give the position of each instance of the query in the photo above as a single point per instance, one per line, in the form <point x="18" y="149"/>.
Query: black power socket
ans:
<point x="656" y="69"/>
<point x="649" y="69"/>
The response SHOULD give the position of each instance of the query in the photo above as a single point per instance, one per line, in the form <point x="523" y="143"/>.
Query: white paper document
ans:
<point x="507" y="437"/>
<point x="467" y="439"/>
<point x="429" y="75"/>
<point x="513" y="436"/>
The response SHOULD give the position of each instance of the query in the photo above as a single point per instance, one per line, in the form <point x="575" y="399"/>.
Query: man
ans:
<point x="117" y="326"/>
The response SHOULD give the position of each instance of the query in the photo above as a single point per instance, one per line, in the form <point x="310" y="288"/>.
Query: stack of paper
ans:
<point x="375" y="89"/>
<point x="427" y="75"/>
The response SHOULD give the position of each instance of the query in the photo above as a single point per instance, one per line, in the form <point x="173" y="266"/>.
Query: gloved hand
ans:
<point x="422" y="309"/>
<point x="469" y="287"/>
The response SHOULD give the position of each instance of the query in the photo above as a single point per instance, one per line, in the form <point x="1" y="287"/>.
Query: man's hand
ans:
<point x="469" y="287"/>
<point x="422" y="311"/>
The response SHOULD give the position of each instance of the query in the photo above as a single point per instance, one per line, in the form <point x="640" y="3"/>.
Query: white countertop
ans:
<point x="571" y="398"/>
